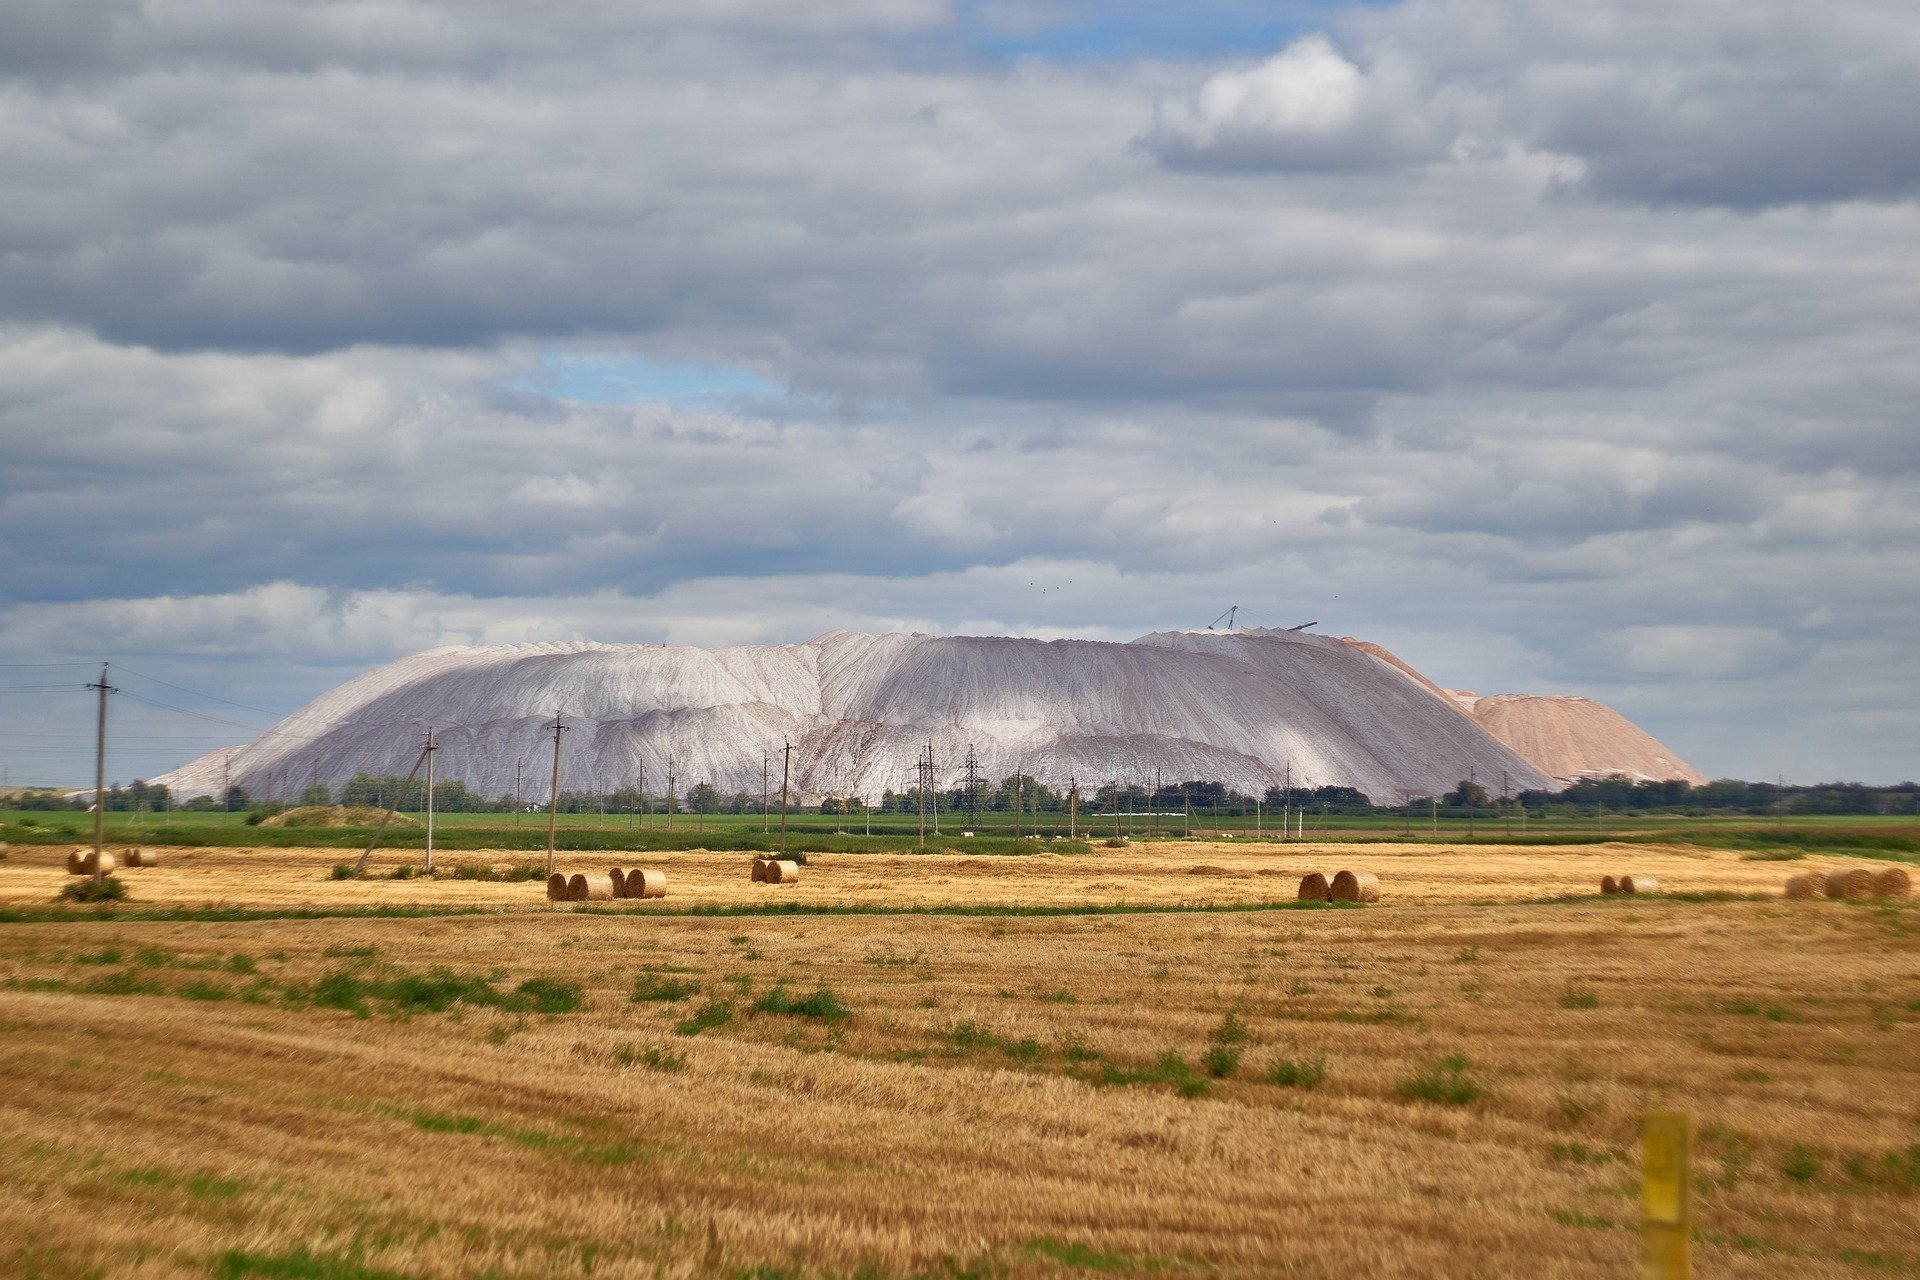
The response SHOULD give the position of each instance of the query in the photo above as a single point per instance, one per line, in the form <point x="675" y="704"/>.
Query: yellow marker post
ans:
<point x="1666" y="1195"/>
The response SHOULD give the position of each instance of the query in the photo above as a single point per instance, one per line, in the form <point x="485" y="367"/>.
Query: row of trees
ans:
<point x="1028" y="795"/>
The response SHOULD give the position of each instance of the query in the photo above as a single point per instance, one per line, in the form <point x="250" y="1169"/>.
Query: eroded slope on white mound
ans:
<point x="1240" y="707"/>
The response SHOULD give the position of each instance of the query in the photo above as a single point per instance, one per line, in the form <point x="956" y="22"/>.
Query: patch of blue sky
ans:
<point x="620" y="378"/>
<point x="1068" y="29"/>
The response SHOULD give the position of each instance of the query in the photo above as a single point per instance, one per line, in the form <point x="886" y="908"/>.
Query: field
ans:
<point x="1127" y="1062"/>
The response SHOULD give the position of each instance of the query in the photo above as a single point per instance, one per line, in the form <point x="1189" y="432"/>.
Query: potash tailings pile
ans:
<point x="1239" y="707"/>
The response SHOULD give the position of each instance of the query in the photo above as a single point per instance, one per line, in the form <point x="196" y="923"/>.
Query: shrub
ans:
<point x="715" y="1013"/>
<point x="655" y="1058"/>
<point x="1298" y="1073"/>
<point x="341" y="871"/>
<point x="1801" y="1164"/>
<point x="1445" y="1082"/>
<point x="87" y="889"/>
<point x="1221" y="1061"/>
<point x="1230" y="1031"/>
<point x="650" y="986"/>
<point x="821" y="1004"/>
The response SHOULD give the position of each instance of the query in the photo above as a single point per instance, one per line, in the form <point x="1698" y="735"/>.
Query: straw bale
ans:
<point x="619" y="878"/>
<point x="1854" y="882"/>
<point x="1609" y="885"/>
<point x="1313" y="888"/>
<point x="1355" y="886"/>
<point x="143" y="857"/>
<point x="557" y="887"/>
<point x="783" y="872"/>
<point x="1639" y="884"/>
<point x="646" y="884"/>
<point x="589" y="886"/>
<point x="80" y="862"/>
<point x="1805" y="885"/>
<point x="1893" y="882"/>
<point x="760" y="870"/>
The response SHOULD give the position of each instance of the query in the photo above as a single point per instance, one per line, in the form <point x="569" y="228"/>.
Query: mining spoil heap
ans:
<point x="1572" y="738"/>
<point x="1239" y="707"/>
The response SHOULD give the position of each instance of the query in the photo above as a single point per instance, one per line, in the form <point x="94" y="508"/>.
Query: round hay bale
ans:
<point x="143" y="857"/>
<point x="1854" y="882"/>
<point x="1804" y="885"/>
<point x="1609" y="885"/>
<point x="1639" y="884"/>
<point x="1893" y="882"/>
<point x="1313" y="888"/>
<point x="557" y="887"/>
<point x="783" y="872"/>
<point x="760" y="870"/>
<point x="1355" y="886"/>
<point x="646" y="884"/>
<point x="589" y="886"/>
<point x="619" y="878"/>
<point x="77" y="861"/>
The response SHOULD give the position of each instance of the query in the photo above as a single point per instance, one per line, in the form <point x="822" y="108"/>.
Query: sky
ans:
<point x="1561" y="348"/>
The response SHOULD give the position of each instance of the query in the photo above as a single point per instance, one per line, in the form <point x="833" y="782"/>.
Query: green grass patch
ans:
<point x="436" y="991"/>
<point x="1069" y="1253"/>
<point x="1578" y="997"/>
<point x="1801" y="1164"/>
<point x="534" y="1139"/>
<point x="821" y="1003"/>
<point x="715" y="1013"/>
<point x="108" y="911"/>
<point x="87" y="889"/>
<point x="236" y="1264"/>
<point x="654" y="1058"/>
<point x="1446" y="1082"/>
<point x="653" y="987"/>
<point x="1297" y="1073"/>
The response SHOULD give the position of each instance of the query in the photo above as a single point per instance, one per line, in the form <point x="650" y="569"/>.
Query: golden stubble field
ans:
<point x="1448" y="1084"/>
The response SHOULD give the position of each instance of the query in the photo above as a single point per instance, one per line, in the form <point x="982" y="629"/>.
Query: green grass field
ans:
<point x="1893" y="837"/>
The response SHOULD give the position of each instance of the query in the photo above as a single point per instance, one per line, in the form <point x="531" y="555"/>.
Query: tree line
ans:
<point x="1026" y="794"/>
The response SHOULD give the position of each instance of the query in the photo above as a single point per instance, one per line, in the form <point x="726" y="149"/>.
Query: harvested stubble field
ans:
<point x="1448" y="1084"/>
<point x="1146" y="874"/>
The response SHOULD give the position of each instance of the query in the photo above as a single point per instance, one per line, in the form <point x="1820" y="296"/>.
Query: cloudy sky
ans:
<point x="1559" y="347"/>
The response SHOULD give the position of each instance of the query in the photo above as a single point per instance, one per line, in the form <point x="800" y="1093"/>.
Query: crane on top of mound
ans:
<point x="1232" y="613"/>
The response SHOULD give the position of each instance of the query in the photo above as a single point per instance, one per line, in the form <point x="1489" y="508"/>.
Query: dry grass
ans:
<point x="1154" y="873"/>
<point x="1124" y="1095"/>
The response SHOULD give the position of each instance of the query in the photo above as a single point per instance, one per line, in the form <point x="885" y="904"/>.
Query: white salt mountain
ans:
<point x="1239" y="707"/>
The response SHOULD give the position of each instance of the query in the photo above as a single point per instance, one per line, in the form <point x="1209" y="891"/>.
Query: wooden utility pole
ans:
<point x="672" y="764"/>
<point x="516" y="791"/>
<point x="553" y="798"/>
<point x="387" y="817"/>
<point x="1116" y="808"/>
<point x="100" y="778"/>
<point x="1073" y="808"/>
<point x="786" y="766"/>
<point x="766" y="761"/>
<point x="430" y="750"/>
